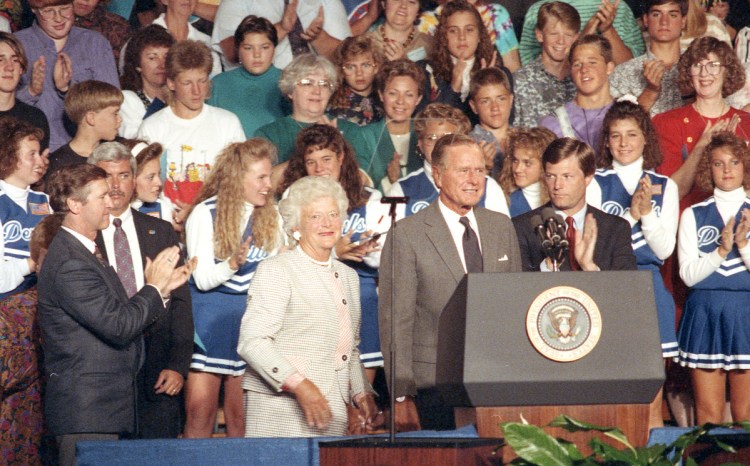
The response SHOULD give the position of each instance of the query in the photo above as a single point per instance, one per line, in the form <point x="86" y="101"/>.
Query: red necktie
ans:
<point x="570" y="235"/>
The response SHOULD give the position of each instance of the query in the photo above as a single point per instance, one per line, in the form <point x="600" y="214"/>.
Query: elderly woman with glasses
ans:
<point x="300" y="331"/>
<point x="308" y="82"/>
<point x="710" y="71"/>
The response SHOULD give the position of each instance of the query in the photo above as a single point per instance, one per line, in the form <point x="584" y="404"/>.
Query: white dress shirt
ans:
<point x="457" y="229"/>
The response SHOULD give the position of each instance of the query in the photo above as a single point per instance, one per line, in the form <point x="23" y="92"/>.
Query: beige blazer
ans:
<point x="291" y="324"/>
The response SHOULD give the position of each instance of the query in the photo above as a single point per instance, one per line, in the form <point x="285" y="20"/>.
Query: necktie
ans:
<point x="570" y="235"/>
<point x="124" y="259"/>
<point x="472" y="253"/>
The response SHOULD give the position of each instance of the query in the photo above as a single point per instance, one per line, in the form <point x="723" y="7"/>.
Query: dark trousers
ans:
<point x="434" y="414"/>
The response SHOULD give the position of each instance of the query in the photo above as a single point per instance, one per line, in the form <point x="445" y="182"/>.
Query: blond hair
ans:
<point x="226" y="183"/>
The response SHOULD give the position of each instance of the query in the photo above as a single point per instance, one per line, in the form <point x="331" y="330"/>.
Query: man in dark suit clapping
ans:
<point x="599" y="241"/>
<point x="92" y="331"/>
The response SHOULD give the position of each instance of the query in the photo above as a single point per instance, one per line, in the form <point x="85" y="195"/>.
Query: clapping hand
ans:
<point x="640" y="205"/>
<point x="585" y="244"/>
<point x="740" y="234"/>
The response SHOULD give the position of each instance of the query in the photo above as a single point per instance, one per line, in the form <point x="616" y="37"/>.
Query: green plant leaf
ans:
<point x="573" y="425"/>
<point x="610" y="453"/>
<point x="534" y="445"/>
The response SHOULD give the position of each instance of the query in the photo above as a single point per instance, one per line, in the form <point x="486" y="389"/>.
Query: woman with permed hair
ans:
<point x="232" y="228"/>
<point x="626" y="185"/>
<point x="22" y="164"/>
<point x="322" y="151"/>
<point x="710" y="71"/>
<point x="308" y="82"/>
<point x="144" y="77"/>
<point x="714" y="333"/>
<point x="522" y="173"/>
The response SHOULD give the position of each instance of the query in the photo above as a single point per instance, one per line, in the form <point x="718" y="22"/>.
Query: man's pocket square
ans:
<point x="504" y="258"/>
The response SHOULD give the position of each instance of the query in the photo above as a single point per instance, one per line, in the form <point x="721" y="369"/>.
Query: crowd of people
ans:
<point x="190" y="200"/>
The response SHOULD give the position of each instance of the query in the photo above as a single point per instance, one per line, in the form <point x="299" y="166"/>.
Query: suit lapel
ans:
<point x="145" y="237"/>
<point x="439" y="234"/>
<point x="107" y="272"/>
<point x="490" y="254"/>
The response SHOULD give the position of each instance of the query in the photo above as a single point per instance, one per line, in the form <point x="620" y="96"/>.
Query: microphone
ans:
<point x="541" y="232"/>
<point x="561" y="228"/>
<point x="548" y="216"/>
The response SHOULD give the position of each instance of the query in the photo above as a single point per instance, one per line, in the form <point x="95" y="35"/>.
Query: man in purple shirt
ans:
<point x="62" y="55"/>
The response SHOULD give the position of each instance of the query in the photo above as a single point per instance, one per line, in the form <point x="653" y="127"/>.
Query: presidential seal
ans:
<point x="564" y="324"/>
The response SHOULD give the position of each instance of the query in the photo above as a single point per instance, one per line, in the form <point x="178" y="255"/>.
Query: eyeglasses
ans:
<point x="432" y="138"/>
<point x="351" y="68"/>
<point x="309" y="83"/>
<point x="317" y="219"/>
<point x="712" y="67"/>
<point x="65" y="12"/>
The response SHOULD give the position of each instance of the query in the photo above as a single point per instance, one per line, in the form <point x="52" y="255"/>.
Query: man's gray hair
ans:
<point x="112" y="152"/>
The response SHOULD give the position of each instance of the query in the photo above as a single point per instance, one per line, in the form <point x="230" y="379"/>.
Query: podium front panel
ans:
<point x="485" y="357"/>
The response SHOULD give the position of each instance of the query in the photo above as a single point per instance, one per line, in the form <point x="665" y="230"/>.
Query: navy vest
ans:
<point x="616" y="201"/>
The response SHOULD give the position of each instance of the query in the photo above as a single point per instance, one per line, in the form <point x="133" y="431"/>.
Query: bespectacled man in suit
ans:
<point x="91" y="330"/>
<point x="433" y="249"/>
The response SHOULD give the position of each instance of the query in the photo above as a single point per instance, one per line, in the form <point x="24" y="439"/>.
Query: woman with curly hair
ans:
<point x="144" y="77"/>
<point x="521" y="179"/>
<point x="496" y="20"/>
<point x="462" y="46"/>
<point x="358" y="59"/>
<point x="714" y="333"/>
<point x="232" y="228"/>
<point x="398" y="35"/>
<point x="710" y="71"/>
<point x="626" y="185"/>
<point x="322" y="151"/>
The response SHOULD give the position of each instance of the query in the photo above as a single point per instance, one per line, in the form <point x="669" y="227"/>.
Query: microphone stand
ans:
<point x="393" y="202"/>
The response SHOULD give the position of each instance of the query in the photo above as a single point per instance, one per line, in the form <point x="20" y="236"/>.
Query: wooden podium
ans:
<point x="486" y="358"/>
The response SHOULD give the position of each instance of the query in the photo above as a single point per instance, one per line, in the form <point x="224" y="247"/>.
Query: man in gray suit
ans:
<point x="433" y="250"/>
<point x="91" y="331"/>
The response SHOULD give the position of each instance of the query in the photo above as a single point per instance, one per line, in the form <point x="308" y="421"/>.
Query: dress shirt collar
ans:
<point x="579" y="218"/>
<point x="452" y="217"/>
<point x="87" y="243"/>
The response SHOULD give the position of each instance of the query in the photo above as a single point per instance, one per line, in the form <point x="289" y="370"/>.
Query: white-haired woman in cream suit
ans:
<point x="300" y="331"/>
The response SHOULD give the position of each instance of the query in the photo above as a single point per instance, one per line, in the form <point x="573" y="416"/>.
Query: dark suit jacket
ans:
<point x="613" y="249"/>
<point x="92" y="340"/>
<point x="169" y="341"/>
<point x="427" y="271"/>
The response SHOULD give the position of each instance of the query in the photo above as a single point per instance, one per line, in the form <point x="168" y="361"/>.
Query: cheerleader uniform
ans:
<point x="371" y="216"/>
<point x="421" y="190"/>
<point x="525" y="199"/>
<point x="219" y="293"/>
<point x="20" y="211"/>
<point x="161" y="208"/>
<point x="653" y="237"/>
<point x="715" y="328"/>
